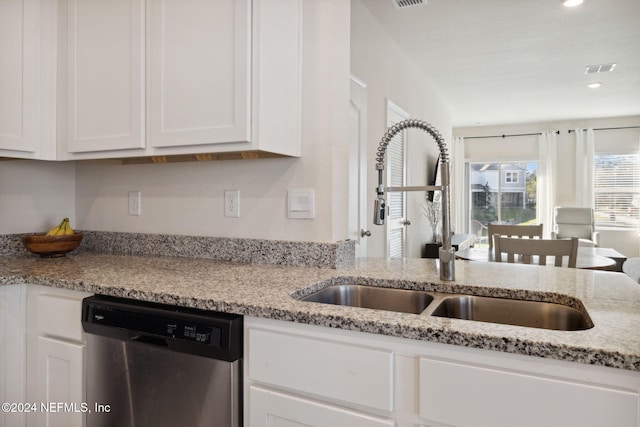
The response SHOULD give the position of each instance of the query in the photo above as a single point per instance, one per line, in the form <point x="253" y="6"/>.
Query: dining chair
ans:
<point x="519" y="231"/>
<point x="631" y="268"/>
<point x="542" y="248"/>
<point x="478" y="230"/>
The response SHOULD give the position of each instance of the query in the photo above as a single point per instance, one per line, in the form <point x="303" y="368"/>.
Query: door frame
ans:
<point x="357" y="189"/>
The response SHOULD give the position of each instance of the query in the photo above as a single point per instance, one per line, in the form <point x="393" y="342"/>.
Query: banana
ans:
<point x="67" y="228"/>
<point x="54" y="231"/>
<point x="61" y="229"/>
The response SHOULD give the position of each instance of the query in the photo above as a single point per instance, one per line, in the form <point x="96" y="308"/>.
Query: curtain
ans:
<point x="546" y="181"/>
<point x="584" y="167"/>
<point x="458" y="189"/>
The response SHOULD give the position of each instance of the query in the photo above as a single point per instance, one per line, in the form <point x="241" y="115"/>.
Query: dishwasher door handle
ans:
<point x="147" y="339"/>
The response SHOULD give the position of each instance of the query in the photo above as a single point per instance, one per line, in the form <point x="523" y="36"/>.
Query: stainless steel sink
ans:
<point x="534" y="314"/>
<point x="405" y="301"/>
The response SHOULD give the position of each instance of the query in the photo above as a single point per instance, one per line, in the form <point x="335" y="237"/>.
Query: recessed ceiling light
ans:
<point x="594" y="85"/>
<point x="571" y="3"/>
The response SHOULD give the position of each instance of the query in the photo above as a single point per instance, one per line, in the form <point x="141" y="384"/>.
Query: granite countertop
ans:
<point x="612" y="300"/>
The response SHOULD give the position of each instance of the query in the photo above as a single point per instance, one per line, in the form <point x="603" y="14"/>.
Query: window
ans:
<point x="617" y="190"/>
<point x="511" y="177"/>
<point x="511" y="200"/>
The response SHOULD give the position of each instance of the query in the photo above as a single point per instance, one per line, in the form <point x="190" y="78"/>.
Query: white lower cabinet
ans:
<point x="295" y="379"/>
<point x="315" y="376"/>
<point x="13" y="353"/>
<point x="56" y="353"/>
<point x="461" y="394"/>
<point x="333" y="370"/>
<point x="274" y="409"/>
<point x="60" y="382"/>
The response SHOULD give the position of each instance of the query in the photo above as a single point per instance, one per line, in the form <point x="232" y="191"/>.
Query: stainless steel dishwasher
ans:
<point x="157" y="365"/>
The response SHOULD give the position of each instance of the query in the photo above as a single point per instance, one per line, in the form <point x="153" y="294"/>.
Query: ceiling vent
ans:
<point x="604" y="68"/>
<point x="401" y="4"/>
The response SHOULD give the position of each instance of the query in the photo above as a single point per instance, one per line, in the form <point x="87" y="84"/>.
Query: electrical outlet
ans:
<point x="232" y="203"/>
<point x="134" y="203"/>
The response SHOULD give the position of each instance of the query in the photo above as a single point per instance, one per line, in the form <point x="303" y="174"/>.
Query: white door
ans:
<point x="60" y="368"/>
<point x="13" y="352"/>
<point x="199" y="72"/>
<point x="358" y="222"/>
<point x="396" y="167"/>
<point x="19" y="75"/>
<point x="272" y="409"/>
<point x="105" y="75"/>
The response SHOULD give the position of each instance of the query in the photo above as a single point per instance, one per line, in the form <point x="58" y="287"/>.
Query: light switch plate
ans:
<point x="301" y="203"/>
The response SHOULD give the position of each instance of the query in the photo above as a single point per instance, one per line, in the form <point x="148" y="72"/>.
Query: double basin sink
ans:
<point x="534" y="314"/>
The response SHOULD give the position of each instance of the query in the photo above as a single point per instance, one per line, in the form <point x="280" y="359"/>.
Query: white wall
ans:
<point x="526" y="148"/>
<point x="187" y="198"/>
<point x="34" y="196"/>
<point x="390" y="74"/>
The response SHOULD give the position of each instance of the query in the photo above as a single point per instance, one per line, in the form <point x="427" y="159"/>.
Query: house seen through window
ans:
<point x="502" y="193"/>
<point x="511" y="177"/>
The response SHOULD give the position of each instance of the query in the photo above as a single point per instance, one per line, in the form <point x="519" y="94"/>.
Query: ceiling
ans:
<point x="522" y="61"/>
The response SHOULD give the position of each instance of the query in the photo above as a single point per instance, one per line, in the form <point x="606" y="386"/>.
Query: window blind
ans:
<point x="617" y="190"/>
<point x="396" y="177"/>
<point x="396" y="243"/>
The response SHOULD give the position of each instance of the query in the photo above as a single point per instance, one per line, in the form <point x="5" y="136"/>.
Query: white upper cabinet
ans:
<point x="26" y="80"/>
<point x="221" y="76"/>
<point x="89" y="79"/>
<point x="18" y="43"/>
<point x="199" y="57"/>
<point x="105" y="75"/>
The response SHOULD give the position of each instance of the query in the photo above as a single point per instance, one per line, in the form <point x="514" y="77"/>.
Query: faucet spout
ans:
<point x="446" y="252"/>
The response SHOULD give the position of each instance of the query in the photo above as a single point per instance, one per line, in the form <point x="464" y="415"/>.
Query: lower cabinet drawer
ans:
<point x="459" y="394"/>
<point x="59" y="314"/>
<point x="274" y="409"/>
<point x="349" y="373"/>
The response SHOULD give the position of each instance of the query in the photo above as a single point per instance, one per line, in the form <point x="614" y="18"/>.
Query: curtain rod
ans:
<point x="508" y="136"/>
<point x="622" y="127"/>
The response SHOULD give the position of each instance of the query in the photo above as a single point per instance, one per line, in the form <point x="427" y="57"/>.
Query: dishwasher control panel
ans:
<point x="156" y="325"/>
<point x="208" y="333"/>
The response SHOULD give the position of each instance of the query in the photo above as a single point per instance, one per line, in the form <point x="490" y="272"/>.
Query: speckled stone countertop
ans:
<point x="611" y="299"/>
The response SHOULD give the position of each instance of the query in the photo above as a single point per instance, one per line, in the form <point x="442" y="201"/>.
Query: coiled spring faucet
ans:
<point x="446" y="253"/>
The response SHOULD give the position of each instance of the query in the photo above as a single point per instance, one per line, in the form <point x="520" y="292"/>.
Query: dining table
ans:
<point x="587" y="258"/>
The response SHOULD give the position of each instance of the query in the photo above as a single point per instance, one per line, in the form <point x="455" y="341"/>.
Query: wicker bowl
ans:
<point x="51" y="246"/>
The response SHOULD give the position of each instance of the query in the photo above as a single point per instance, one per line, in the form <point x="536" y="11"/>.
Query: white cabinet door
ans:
<point x="55" y="356"/>
<point x="105" y="75"/>
<point x="13" y="352"/>
<point x="18" y="75"/>
<point x="290" y="367"/>
<point x="461" y="395"/>
<point x="199" y="72"/>
<point x="272" y="409"/>
<point x="60" y="380"/>
<point x="350" y="373"/>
